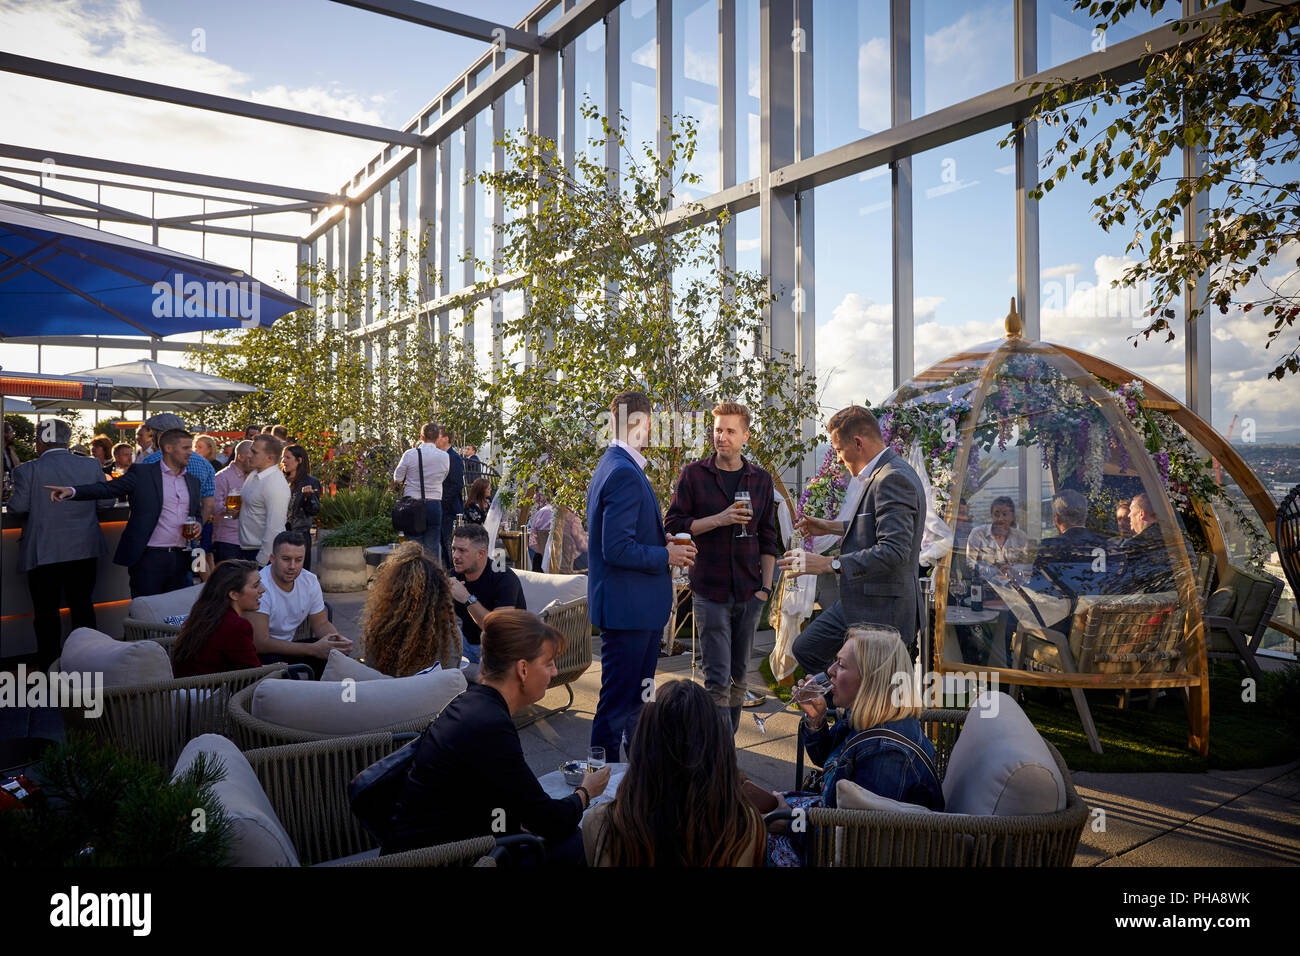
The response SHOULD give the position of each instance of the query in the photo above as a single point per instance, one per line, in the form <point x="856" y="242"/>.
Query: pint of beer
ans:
<point x="191" y="528"/>
<point x="233" y="500"/>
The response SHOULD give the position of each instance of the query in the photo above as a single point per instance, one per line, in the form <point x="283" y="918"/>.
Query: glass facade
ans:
<point x="937" y="214"/>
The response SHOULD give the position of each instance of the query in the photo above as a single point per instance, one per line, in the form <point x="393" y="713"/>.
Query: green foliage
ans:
<point x="617" y="297"/>
<point x="99" y="806"/>
<point x="362" y="402"/>
<point x="354" y="503"/>
<point x="1229" y="89"/>
<point x="362" y="533"/>
<point x="24" y="436"/>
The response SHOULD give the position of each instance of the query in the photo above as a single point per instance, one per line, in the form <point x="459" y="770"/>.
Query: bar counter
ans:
<point x="112" y="592"/>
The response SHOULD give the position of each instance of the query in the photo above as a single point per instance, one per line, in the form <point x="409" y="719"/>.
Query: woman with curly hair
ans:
<point x="410" y="621"/>
<point x="680" y="803"/>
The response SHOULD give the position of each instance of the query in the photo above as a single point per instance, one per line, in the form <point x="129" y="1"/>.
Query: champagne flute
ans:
<point x="817" y="686"/>
<point x="742" y="497"/>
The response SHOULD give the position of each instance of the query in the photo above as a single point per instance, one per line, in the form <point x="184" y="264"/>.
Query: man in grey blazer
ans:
<point x="61" y="544"/>
<point x="877" y="568"/>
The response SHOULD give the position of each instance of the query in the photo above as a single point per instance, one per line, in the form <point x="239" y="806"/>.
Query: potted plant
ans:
<point x="98" y="806"/>
<point x="343" y="552"/>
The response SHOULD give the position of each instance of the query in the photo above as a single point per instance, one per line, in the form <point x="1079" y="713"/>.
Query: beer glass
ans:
<point x="743" y="498"/>
<point x="234" y="499"/>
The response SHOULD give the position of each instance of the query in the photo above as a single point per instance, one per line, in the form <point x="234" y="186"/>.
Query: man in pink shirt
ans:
<point x="163" y="496"/>
<point x="225" y="532"/>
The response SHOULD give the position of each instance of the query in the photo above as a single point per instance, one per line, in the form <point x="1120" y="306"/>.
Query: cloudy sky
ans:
<point x="329" y="59"/>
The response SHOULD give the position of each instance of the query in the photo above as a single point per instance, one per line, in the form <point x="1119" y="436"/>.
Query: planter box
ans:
<point x="342" y="569"/>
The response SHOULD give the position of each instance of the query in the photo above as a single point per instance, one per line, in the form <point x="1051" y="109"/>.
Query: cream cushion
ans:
<point x="541" y="590"/>
<point x="155" y="607"/>
<point x="259" y="837"/>
<point x="339" y="708"/>
<point x="339" y="666"/>
<point x="850" y="796"/>
<point x="1000" y="765"/>
<point x="123" y="663"/>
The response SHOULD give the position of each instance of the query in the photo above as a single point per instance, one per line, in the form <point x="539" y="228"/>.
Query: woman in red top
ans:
<point x="216" y="637"/>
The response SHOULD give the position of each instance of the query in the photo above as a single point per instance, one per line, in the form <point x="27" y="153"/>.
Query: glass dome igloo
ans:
<point x="1068" y="565"/>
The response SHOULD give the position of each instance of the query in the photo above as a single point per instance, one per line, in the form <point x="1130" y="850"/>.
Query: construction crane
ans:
<point x="1218" y="470"/>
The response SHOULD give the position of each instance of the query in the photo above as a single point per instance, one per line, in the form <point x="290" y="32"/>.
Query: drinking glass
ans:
<point x="233" y="500"/>
<point x="817" y="687"/>
<point x="190" y="529"/>
<point x="595" y="759"/>
<point x="743" y="497"/>
<point x="792" y="579"/>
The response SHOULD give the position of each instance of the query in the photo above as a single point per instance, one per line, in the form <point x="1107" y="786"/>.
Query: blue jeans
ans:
<point x="726" y="632"/>
<point x="627" y="660"/>
<point x="432" y="537"/>
<point x="471" y="652"/>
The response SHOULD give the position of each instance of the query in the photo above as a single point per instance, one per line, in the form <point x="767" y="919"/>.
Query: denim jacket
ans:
<point x="885" y="767"/>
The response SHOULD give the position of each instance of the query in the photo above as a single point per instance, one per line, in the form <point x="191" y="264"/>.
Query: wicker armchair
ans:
<point x="1116" y="637"/>
<point x="156" y="720"/>
<point x="880" y="838"/>
<point x="249" y="732"/>
<point x="307" y="785"/>
<point x="570" y="619"/>
<point x="1237" y="615"/>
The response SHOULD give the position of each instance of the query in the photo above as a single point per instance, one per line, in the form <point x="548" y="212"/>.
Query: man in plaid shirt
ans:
<point x="731" y="577"/>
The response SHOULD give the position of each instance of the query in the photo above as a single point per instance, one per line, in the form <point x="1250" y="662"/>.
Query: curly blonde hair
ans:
<point x="410" y="621"/>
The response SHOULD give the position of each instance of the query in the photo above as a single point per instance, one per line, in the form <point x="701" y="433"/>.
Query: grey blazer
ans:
<point x="67" y="531"/>
<point x="881" y="550"/>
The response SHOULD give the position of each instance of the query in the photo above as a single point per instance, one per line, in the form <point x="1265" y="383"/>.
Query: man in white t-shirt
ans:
<point x="433" y="463"/>
<point x="293" y="595"/>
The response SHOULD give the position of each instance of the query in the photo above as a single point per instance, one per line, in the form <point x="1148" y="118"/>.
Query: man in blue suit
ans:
<point x="629" y="588"/>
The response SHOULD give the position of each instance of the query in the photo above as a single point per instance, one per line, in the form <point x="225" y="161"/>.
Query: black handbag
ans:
<point x="373" y="792"/>
<point x="409" y="515"/>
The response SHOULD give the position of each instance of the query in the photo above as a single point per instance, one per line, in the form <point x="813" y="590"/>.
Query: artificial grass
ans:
<point x="1134" y="740"/>
<point x="1243" y="735"/>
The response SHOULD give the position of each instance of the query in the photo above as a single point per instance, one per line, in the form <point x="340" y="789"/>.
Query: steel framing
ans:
<point x="418" y="157"/>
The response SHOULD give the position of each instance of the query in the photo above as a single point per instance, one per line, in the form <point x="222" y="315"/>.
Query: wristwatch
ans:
<point x="473" y="599"/>
<point x="835" y="565"/>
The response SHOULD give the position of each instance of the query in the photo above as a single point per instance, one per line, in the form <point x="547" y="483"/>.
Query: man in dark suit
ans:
<point x="1076" y="561"/>
<point x="880" y="552"/>
<point x="1148" y="561"/>
<point x="473" y="466"/>
<point x="629" y="588"/>
<point x="163" y="497"/>
<point x="453" y="493"/>
<point x="60" y="545"/>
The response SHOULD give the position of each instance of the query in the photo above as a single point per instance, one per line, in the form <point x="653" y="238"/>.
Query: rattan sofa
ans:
<point x="306" y="785"/>
<point x="155" y="720"/>
<point x="884" y="838"/>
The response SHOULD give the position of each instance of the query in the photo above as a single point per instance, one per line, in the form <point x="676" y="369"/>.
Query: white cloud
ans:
<point x="1057" y="272"/>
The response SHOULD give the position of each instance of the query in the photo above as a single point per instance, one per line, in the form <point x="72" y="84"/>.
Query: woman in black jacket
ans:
<point x="469" y="777"/>
<point x="304" y="494"/>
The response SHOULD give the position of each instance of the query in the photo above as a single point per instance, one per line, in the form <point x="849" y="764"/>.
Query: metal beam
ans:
<point x="264" y="210"/>
<point x="448" y="21"/>
<point x="74" y="161"/>
<point x="778" y="213"/>
<point x="72" y="213"/>
<point x="1028" y="279"/>
<point x="900" y="184"/>
<point x="1121" y="62"/>
<point x="61" y="73"/>
<point x="108" y="342"/>
<point x="40" y="190"/>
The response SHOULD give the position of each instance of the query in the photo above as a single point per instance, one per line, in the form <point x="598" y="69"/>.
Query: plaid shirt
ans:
<point x="726" y="568"/>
